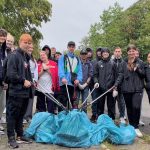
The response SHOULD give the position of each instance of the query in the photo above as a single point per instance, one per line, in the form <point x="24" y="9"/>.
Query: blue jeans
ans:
<point x="84" y="93"/>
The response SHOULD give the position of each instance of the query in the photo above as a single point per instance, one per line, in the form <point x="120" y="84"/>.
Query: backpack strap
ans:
<point x="65" y="62"/>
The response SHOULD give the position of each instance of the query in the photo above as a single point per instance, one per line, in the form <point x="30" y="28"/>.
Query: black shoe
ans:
<point x="12" y="143"/>
<point x="23" y="140"/>
<point x="93" y="118"/>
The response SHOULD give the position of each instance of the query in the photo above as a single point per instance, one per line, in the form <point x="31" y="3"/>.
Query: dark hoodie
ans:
<point x="44" y="49"/>
<point x="93" y="62"/>
<point x="105" y="73"/>
<point x="4" y="51"/>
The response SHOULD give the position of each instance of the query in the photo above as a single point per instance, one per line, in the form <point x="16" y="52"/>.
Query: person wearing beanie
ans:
<point x="19" y="80"/>
<point x="104" y="79"/>
<point x="132" y="87"/>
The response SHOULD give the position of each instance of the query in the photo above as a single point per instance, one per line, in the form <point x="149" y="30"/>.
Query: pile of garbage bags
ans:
<point x="74" y="129"/>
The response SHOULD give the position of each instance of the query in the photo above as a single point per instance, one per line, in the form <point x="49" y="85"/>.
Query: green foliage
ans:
<point x="24" y="16"/>
<point x="118" y="27"/>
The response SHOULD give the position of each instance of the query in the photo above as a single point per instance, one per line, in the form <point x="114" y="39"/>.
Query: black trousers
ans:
<point x="63" y="98"/>
<point x="110" y="104"/>
<point x="15" y="110"/>
<point x="44" y="103"/>
<point x="148" y="93"/>
<point x="133" y="105"/>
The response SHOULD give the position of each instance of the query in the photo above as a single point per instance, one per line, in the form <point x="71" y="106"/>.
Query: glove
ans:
<point x="96" y="85"/>
<point x="115" y="93"/>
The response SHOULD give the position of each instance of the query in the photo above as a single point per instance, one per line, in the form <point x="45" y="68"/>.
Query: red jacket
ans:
<point x="54" y="74"/>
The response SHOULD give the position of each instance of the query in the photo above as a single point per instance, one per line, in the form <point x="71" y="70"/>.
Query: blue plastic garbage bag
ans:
<point x="37" y="120"/>
<point x="128" y="134"/>
<point x="44" y="126"/>
<point x="47" y="130"/>
<point x="124" y="134"/>
<point x="74" y="131"/>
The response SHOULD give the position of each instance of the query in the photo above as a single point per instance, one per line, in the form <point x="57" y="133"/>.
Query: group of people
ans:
<point x="68" y="78"/>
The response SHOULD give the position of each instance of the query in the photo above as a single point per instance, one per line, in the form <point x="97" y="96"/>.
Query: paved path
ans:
<point x="139" y="144"/>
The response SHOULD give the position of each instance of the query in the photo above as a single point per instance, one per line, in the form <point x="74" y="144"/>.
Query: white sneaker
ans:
<point x="138" y="133"/>
<point x="122" y="120"/>
<point x="3" y="120"/>
<point x="141" y="123"/>
<point x="2" y="133"/>
<point x="1" y="128"/>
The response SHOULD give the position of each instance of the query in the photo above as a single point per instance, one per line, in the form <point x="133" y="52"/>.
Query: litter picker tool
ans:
<point x="86" y="98"/>
<point x="97" y="98"/>
<point x="70" y="105"/>
<point x="50" y="96"/>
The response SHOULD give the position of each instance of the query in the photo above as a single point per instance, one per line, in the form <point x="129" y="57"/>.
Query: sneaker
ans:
<point x="122" y="120"/>
<point x="3" y="120"/>
<point x="1" y="127"/>
<point x="12" y="143"/>
<point x="141" y="123"/>
<point x="2" y="133"/>
<point x="23" y="140"/>
<point x="138" y="133"/>
<point x="24" y="121"/>
<point x="93" y="118"/>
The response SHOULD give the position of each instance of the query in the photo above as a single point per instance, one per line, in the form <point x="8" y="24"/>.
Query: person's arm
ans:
<point x="79" y="74"/>
<point x="140" y="69"/>
<point x="96" y="73"/>
<point x="90" y="73"/>
<point x="36" y="72"/>
<point x="119" y="77"/>
<point x="12" y="71"/>
<point x="61" y="70"/>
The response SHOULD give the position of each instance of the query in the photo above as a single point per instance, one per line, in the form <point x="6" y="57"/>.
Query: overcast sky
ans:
<point x="71" y="20"/>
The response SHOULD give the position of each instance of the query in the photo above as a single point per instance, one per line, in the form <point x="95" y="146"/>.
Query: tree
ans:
<point x="118" y="27"/>
<point x="25" y="16"/>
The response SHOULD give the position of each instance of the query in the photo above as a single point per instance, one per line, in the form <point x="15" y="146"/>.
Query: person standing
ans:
<point x="47" y="83"/>
<point x="104" y="79"/>
<point x="132" y="87"/>
<point x="34" y="73"/>
<point x="120" y="99"/>
<point x="147" y="76"/>
<point x="95" y="92"/>
<point x="53" y="52"/>
<point x="70" y="73"/>
<point x="3" y="55"/>
<point x="87" y="69"/>
<point x="19" y="80"/>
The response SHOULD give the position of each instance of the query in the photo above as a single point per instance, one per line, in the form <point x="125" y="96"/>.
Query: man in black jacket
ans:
<point x="95" y="92"/>
<point x="120" y="99"/>
<point x="19" y="79"/>
<point x="104" y="79"/>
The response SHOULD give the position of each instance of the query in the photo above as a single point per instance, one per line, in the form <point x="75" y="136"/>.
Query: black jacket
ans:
<point x="105" y="74"/>
<point x="133" y="81"/>
<point x="119" y="63"/>
<point x="18" y="70"/>
<point x="2" y="58"/>
<point x="147" y="76"/>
